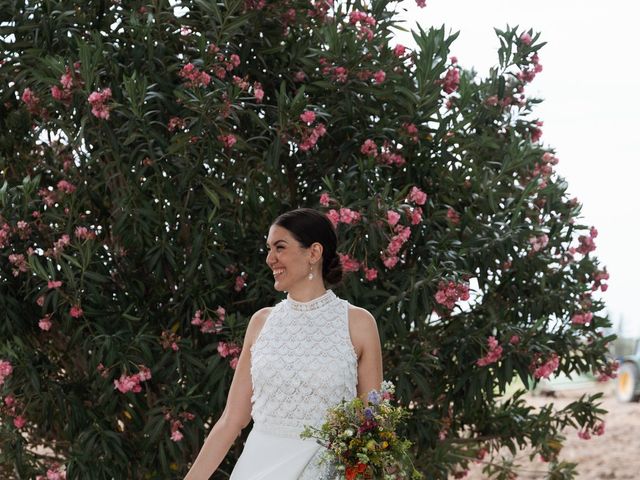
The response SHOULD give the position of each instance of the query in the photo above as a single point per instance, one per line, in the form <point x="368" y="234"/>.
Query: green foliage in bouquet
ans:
<point x="145" y="147"/>
<point x="362" y="439"/>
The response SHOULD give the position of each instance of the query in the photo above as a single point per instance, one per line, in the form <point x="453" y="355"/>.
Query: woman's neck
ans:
<point x="306" y="293"/>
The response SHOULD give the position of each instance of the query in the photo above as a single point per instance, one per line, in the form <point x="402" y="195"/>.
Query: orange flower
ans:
<point x="351" y="473"/>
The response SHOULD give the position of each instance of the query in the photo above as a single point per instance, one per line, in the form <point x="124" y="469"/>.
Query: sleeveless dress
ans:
<point x="302" y="363"/>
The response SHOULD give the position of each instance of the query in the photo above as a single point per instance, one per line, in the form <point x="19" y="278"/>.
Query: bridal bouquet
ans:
<point x="361" y="439"/>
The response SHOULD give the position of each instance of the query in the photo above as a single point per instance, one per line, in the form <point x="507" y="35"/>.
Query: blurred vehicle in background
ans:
<point x="627" y="352"/>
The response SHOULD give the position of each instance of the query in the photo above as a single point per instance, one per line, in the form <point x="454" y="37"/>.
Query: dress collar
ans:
<point x="314" y="304"/>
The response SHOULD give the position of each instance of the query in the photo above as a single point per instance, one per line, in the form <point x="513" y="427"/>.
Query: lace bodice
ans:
<point x="302" y="363"/>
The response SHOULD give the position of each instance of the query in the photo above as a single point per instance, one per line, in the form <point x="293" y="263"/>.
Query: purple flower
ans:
<point x="374" y="397"/>
<point x="368" y="413"/>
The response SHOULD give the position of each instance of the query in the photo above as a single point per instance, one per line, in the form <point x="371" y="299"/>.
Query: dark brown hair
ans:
<point x="309" y="226"/>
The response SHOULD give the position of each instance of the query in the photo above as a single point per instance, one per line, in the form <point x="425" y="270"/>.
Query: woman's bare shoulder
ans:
<point x="362" y="329"/>
<point x="256" y="323"/>
<point x="360" y="317"/>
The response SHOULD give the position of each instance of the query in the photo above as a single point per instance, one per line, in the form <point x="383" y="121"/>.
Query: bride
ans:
<point x="300" y="357"/>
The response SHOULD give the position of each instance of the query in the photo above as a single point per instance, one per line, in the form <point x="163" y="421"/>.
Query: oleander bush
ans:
<point x="145" y="147"/>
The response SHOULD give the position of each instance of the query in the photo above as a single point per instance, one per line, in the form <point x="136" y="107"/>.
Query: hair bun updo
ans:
<point x="309" y="226"/>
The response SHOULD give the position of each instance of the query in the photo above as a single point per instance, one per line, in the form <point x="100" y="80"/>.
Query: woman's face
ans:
<point x="287" y="258"/>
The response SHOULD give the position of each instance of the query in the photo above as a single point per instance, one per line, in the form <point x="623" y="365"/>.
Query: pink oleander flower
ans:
<point x="6" y="369"/>
<point x="57" y="93"/>
<point x="194" y="77"/>
<point x="598" y="278"/>
<point x="403" y="232"/>
<point x="5" y="235"/>
<point x="536" y="134"/>
<point x="417" y="196"/>
<point x="491" y="101"/>
<point x="421" y="3"/>
<point x="349" y="264"/>
<point x="334" y="217"/>
<point x="240" y="282"/>
<point x="66" y="80"/>
<point x="127" y="384"/>
<point x="395" y="245"/>
<point x="176" y="436"/>
<point x="197" y="318"/>
<point x="66" y="187"/>
<point x="19" y="422"/>
<point x="234" y="59"/>
<point x="450" y="292"/>
<point x="349" y="216"/>
<point x="539" y="243"/>
<point x="228" y="140"/>
<point x="370" y="274"/>
<point x="98" y="101"/>
<point x="584" y="434"/>
<point x="308" y="116"/>
<point x="526" y="38"/>
<point x="546" y="368"/>
<point x="131" y="383"/>
<point x="325" y="199"/>
<point x="45" y="323"/>
<point x="599" y="430"/>
<point x="76" y="311"/>
<point x="399" y="50"/>
<point x="608" y="371"/>
<point x="416" y="215"/>
<point x="583" y="318"/>
<point x="369" y="148"/>
<point x="390" y="261"/>
<point x="144" y="374"/>
<point x="493" y="355"/>
<point x="392" y="217"/>
<point x="341" y="74"/>
<point x="586" y="242"/>
<point x="411" y="131"/>
<point x="379" y="77"/>
<point x="40" y="300"/>
<point x="451" y="80"/>
<point x="453" y="216"/>
<point x="228" y="349"/>
<point x="258" y="92"/>
<point x="83" y="233"/>
<point x="19" y="262"/>
<point x="31" y="100"/>
<point x="209" y="326"/>
<point x="311" y="137"/>
<point x="176" y="123"/>
<point x="514" y="340"/>
<point x="55" y="473"/>
<point x="233" y="363"/>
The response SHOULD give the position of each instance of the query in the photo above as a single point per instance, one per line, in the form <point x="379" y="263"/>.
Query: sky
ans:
<point x="591" y="90"/>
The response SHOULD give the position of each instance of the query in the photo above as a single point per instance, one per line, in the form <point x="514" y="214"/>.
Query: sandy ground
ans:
<point x="615" y="455"/>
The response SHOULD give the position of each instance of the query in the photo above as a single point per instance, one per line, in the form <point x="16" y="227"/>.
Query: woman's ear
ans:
<point x="316" y="252"/>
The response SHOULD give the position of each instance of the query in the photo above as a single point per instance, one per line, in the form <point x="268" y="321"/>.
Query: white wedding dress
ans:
<point x="302" y="363"/>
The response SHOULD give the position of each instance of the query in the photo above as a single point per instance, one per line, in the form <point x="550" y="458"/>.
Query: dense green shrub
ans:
<point x="144" y="149"/>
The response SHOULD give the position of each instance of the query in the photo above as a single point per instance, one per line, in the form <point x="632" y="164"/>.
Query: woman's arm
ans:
<point x="366" y="342"/>
<point x="237" y="412"/>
